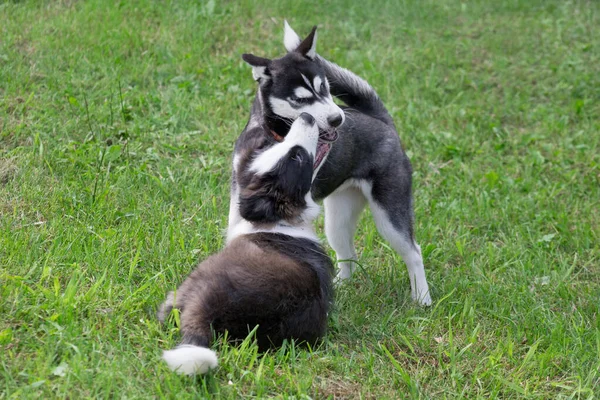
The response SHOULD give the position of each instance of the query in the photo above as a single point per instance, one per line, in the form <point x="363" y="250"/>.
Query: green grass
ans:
<point x="117" y="121"/>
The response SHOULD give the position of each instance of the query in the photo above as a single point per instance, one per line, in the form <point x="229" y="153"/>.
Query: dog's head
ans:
<point x="295" y="84"/>
<point x="274" y="184"/>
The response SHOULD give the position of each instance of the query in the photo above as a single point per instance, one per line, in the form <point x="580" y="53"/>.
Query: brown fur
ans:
<point x="262" y="279"/>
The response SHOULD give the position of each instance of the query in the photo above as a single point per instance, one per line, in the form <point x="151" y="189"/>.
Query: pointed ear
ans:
<point x="308" y="47"/>
<point x="260" y="66"/>
<point x="291" y="40"/>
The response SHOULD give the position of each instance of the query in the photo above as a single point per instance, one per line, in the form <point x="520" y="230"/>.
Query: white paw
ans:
<point x="422" y="299"/>
<point x="340" y="278"/>
<point x="343" y="274"/>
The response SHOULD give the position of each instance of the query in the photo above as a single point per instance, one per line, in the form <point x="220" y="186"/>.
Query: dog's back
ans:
<point x="278" y="282"/>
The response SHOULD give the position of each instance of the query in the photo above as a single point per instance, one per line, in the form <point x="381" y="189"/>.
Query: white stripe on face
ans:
<point x="303" y="93"/>
<point x="317" y="84"/>
<point x="306" y="80"/>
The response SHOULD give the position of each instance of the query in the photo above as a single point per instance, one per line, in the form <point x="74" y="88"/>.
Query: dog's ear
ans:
<point x="260" y="66"/>
<point x="291" y="40"/>
<point x="259" y="208"/>
<point x="308" y="47"/>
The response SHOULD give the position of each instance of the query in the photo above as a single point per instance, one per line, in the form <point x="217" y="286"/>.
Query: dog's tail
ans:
<point x="188" y="359"/>
<point x="354" y="91"/>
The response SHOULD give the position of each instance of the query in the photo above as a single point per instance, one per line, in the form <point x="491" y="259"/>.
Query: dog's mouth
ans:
<point x="328" y="136"/>
<point x="326" y="139"/>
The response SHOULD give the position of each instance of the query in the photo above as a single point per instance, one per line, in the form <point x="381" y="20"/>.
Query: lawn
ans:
<point x="117" y="124"/>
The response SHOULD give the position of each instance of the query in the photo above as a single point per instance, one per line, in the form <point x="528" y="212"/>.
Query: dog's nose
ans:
<point x="309" y="119"/>
<point x="335" y="120"/>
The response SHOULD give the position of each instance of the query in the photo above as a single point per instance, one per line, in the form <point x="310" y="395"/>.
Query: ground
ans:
<point x="117" y="121"/>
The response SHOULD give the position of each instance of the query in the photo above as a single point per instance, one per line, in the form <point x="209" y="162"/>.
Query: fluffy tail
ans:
<point x="354" y="91"/>
<point x="188" y="359"/>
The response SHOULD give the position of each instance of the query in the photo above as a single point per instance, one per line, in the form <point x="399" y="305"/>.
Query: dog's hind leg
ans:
<point x="166" y="307"/>
<point x="342" y="209"/>
<point x="192" y="356"/>
<point x="391" y="205"/>
<point x="195" y="327"/>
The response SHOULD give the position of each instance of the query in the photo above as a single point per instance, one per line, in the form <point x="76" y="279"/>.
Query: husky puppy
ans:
<point x="273" y="272"/>
<point x="365" y="165"/>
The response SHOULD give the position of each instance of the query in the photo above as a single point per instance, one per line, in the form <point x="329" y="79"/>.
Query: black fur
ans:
<point x="278" y="194"/>
<point x="305" y="46"/>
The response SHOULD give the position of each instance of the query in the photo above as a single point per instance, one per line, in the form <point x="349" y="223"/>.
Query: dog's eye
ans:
<point x="300" y="100"/>
<point x="297" y="157"/>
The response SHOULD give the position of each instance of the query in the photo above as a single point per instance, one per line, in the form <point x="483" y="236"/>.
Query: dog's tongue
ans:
<point x="322" y="150"/>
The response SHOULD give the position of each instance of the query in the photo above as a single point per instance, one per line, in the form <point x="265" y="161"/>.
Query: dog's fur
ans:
<point x="273" y="273"/>
<point x="366" y="165"/>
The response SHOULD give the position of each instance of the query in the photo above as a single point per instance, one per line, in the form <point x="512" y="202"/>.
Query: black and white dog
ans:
<point x="273" y="272"/>
<point x="366" y="164"/>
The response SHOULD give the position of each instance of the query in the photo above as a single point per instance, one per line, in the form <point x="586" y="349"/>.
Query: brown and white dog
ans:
<point x="273" y="273"/>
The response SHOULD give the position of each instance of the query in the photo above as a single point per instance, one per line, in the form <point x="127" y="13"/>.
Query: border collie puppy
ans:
<point x="273" y="272"/>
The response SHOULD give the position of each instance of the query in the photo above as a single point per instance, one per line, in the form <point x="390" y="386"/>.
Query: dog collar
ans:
<point x="276" y="136"/>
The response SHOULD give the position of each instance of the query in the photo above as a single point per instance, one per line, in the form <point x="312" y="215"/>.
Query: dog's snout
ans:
<point x="335" y="120"/>
<point x="309" y="119"/>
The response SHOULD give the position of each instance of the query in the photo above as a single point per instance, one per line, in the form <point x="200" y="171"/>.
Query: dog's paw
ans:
<point x="343" y="274"/>
<point x="422" y="299"/>
<point x="165" y="308"/>
<point x="339" y="281"/>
